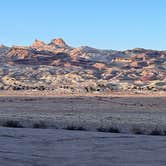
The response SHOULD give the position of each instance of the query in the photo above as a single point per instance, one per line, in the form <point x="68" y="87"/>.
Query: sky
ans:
<point x="107" y="24"/>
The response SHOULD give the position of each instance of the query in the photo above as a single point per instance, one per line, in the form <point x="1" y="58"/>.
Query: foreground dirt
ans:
<point x="36" y="93"/>
<point x="50" y="147"/>
<point x="90" y="112"/>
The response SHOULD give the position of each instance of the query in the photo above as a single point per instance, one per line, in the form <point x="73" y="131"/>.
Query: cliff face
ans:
<point x="59" y="66"/>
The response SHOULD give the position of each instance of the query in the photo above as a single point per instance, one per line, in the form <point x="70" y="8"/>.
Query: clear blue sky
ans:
<point x="112" y="24"/>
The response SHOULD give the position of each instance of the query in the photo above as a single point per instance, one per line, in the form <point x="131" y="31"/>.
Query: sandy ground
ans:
<point x="90" y="112"/>
<point x="35" y="93"/>
<point x="51" y="147"/>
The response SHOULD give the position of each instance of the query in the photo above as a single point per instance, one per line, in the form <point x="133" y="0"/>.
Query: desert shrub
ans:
<point x="156" y="131"/>
<point x="39" y="125"/>
<point x="74" y="127"/>
<point x="164" y="132"/>
<point x="108" y="129"/>
<point x="12" y="123"/>
<point x="113" y="130"/>
<point x="137" y="131"/>
<point x="102" y="129"/>
<point x="81" y="128"/>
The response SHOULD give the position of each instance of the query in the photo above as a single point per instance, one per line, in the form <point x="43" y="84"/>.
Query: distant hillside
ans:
<point x="57" y="66"/>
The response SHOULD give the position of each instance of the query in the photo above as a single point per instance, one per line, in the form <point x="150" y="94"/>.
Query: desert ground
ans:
<point x="55" y="145"/>
<point x="51" y="147"/>
<point x="90" y="112"/>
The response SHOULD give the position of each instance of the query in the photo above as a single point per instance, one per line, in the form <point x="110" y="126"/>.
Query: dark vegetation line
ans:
<point x="106" y="129"/>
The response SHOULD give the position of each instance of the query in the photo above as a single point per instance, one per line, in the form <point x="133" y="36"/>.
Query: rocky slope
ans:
<point x="57" y="66"/>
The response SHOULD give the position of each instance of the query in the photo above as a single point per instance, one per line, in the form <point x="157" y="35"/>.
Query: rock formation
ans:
<point x="57" y="66"/>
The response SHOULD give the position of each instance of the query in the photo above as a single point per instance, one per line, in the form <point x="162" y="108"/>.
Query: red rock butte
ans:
<point x="59" y="42"/>
<point x="57" y="66"/>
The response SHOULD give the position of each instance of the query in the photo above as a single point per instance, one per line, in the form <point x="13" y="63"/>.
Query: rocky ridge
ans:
<point x="57" y="66"/>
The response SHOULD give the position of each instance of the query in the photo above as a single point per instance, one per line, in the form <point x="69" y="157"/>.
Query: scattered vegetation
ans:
<point x="156" y="131"/>
<point x="138" y="131"/>
<point x="102" y="129"/>
<point x="113" y="130"/>
<point x="12" y="123"/>
<point x="108" y="129"/>
<point x="40" y="125"/>
<point x="74" y="127"/>
<point x="164" y="132"/>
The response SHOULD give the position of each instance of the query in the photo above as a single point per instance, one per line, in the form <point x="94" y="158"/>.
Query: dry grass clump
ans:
<point x="157" y="131"/>
<point x="137" y="131"/>
<point x="74" y="127"/>
<point x="113" y="130"/>
<point x="12" y="123"/>
<point x="40" y="125"/>
<point x="108" y="129"/>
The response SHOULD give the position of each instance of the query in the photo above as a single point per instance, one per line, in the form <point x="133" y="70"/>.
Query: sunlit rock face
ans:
<point x="58" y="66"/>
<point x="38" y="44"/>
<point x="58" y="42"/>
